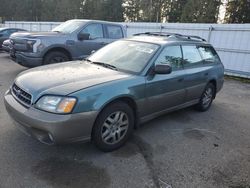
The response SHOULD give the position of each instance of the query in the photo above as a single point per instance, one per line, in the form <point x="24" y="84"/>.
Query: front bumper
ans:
<point x="5" y="48"/>
<point x="27" y="61"/>
<point x="50" y="128"/>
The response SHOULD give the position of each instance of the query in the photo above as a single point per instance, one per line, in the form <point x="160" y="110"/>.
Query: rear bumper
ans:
<point x="26" y="60"/>
<point x="50" y="128"/>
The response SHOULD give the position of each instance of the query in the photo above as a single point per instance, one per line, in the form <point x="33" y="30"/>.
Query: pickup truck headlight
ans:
<point x="56" y="104"/>
<point x="30" y="44"/>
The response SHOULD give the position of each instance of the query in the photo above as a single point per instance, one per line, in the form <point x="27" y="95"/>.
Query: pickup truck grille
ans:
<point x="21" y="95"/>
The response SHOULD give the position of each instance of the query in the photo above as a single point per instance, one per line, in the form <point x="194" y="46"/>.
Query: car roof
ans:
<point x="97" y="21"/>
<point x="161" y="38"/>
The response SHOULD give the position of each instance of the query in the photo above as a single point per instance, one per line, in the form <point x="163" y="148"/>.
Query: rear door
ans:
<point x="196" y="73"/>
<point x="166" y="90"/>
<point x="96" y="40"/>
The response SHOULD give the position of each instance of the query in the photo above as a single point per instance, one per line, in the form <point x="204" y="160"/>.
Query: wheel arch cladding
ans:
<point x="213" y="81"/>
<point x="58" y="49"/>
<point x="125" y="99"/>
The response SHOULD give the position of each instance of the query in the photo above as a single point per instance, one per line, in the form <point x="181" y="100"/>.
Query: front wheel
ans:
<point x="55" y="57"/>
<point x="207" y="98"/>
<point x="113" y="126"/>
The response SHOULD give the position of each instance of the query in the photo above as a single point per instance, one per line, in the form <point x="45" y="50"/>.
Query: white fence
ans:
<point x="232" y="41"/>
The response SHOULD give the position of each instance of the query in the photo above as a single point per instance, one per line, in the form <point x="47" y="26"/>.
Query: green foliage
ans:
<point x="238" y="11"/>
<point x="145" y="10"/>
<point x="174" y="10"/>
<point x="61" y="10"/>
<point x="201" y="11"/>
<point x="118" y="10"/>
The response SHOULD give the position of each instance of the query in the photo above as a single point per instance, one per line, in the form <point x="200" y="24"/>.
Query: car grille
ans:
<point x="21" y="95"/>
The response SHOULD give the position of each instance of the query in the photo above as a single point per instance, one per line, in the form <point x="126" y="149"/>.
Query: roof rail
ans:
<point x="166" y="34"/>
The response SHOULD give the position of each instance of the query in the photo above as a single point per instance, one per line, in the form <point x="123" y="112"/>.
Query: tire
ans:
<point x="55" y="57"/>
<point x="206" y="99"/>
<point x="115" y="120"/>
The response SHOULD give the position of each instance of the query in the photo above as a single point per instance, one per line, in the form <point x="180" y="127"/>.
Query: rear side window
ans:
<point x="208" y="54"/>
<point x="114" y="32"/>
<point x="171" y="55"/>
<point x="191" y="56"/>
<point x="95" y="31"/>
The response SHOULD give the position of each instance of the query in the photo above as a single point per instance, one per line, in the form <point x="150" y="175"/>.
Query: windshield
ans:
<point x="131" y="56"/>
<point x="68" y="27"/>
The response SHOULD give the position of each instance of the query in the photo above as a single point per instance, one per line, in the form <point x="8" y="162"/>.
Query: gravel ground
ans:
<point x="181" y="149"/>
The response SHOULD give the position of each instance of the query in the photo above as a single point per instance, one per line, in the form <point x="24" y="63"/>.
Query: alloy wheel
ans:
<point x="207" y="97"/>
<point x="115" y="127"/>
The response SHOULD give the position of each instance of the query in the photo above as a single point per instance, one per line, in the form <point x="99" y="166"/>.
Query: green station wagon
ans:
<point x="104" y="97"/>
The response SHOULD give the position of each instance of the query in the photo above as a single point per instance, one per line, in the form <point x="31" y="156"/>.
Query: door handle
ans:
<point x="206" y="74"/>
<point x="103" y="43"/>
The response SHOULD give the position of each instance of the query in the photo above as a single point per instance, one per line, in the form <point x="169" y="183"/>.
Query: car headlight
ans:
<point x="56" y="104"/>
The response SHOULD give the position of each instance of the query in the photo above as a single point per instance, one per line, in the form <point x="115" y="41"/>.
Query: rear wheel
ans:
<point x="113" y="126"/>
<point x="55" y="57"/>
<point x="207" y="98"/>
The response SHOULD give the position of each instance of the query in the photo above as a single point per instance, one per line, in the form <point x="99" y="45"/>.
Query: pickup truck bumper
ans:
<point x="25" y="60"/>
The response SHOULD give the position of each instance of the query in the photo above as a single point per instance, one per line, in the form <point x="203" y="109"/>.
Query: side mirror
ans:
<point x="1" y="34"/>
<point x="83" y="36"/>
<point x="162" y="69"/>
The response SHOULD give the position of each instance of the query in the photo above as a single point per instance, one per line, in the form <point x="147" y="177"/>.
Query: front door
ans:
<point x="167" y="90"/>
<point x="95" y="42"/>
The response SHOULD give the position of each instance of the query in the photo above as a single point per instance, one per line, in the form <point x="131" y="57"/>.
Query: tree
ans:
<point x="201" y="11"/>
<point x="144" y="10"/>
<point x="132" y="10"/>
<point x="110" y="10"/>
<point x="238" y="11"/>
<point x="173" y="10"/>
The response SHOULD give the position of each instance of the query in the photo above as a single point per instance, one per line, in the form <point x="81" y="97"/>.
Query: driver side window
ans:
<point x="171" y="55"/>
<point x="95" y="31"/>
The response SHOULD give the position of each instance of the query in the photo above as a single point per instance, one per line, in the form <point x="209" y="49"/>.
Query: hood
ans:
<point x="65" y="78"/>
<point x="33" y="35"/>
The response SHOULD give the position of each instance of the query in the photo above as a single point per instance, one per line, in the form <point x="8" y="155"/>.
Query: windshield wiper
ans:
<point x="106" y="65"/>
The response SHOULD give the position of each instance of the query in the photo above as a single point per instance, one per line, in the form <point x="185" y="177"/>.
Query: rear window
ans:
<point x="208" y="54"/>
<point x="114" y="32"/>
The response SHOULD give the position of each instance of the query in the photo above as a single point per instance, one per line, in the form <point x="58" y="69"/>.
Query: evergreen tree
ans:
<point x="201" y="11"/>
<point x="238" y="11"/>
<point x="132" y="10"/>
<point x="173" y="10"/>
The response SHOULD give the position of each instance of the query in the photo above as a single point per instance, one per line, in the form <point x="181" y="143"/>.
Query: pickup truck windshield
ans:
<point x="131" y="56"/>
<point x="68" y="27"/>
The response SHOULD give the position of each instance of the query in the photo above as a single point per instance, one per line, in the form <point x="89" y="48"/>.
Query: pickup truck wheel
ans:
<point x="113" y="127"/>
<point x="206" y="99"/>
<point x="55" y="57"/>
